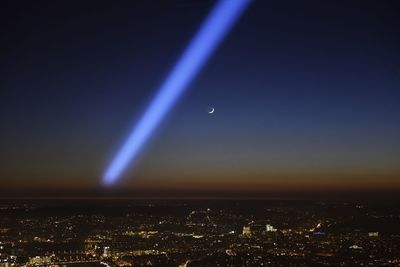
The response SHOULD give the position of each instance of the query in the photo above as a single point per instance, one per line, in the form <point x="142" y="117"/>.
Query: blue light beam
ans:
<point x="214" y="29"/>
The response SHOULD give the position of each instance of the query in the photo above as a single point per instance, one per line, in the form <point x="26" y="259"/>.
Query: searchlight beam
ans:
<point x="214" y="29"/>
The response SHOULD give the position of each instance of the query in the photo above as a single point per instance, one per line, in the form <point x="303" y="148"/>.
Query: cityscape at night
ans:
<point x="200" y="133"/>
<point x="227" y="232"/>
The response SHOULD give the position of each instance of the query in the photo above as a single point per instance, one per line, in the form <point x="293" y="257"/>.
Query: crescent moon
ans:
<point x="211" y="110"/>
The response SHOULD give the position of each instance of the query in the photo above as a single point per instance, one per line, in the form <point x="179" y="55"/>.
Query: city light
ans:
<point x="216" y="26"/>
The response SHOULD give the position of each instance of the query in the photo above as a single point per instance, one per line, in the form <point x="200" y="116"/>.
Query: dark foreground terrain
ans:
<point x="129" y="232"/>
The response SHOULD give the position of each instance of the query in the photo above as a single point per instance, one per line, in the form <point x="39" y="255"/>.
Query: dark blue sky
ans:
<point x="306" y="95"/>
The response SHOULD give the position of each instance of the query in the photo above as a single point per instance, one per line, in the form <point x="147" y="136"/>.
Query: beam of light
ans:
<point x="214" y="29"/>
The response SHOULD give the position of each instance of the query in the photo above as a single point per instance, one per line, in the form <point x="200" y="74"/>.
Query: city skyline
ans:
<point x="94" y="233"/>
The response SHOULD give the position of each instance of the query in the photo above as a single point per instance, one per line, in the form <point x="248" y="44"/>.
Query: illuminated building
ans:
<point x="373" y="234"/>
<point x="270" y="228"/>
<point x="246" y="231"/>
<point x="106" y="252"/>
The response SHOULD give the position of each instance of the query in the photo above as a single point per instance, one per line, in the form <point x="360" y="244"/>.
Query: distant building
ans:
<point x="246" y="231"/>
<point x="106" y="252"/>
<point x="356" y="247"/>
<point x="270" y="228"/>
<point x="373" y="234"/>
<point x="39" y="260"/>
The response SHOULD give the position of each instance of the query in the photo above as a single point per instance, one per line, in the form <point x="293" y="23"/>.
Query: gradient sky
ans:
<point x="306" y="95"/>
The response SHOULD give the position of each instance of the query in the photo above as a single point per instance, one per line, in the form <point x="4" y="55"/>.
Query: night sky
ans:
<point x="306" y="95"/>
